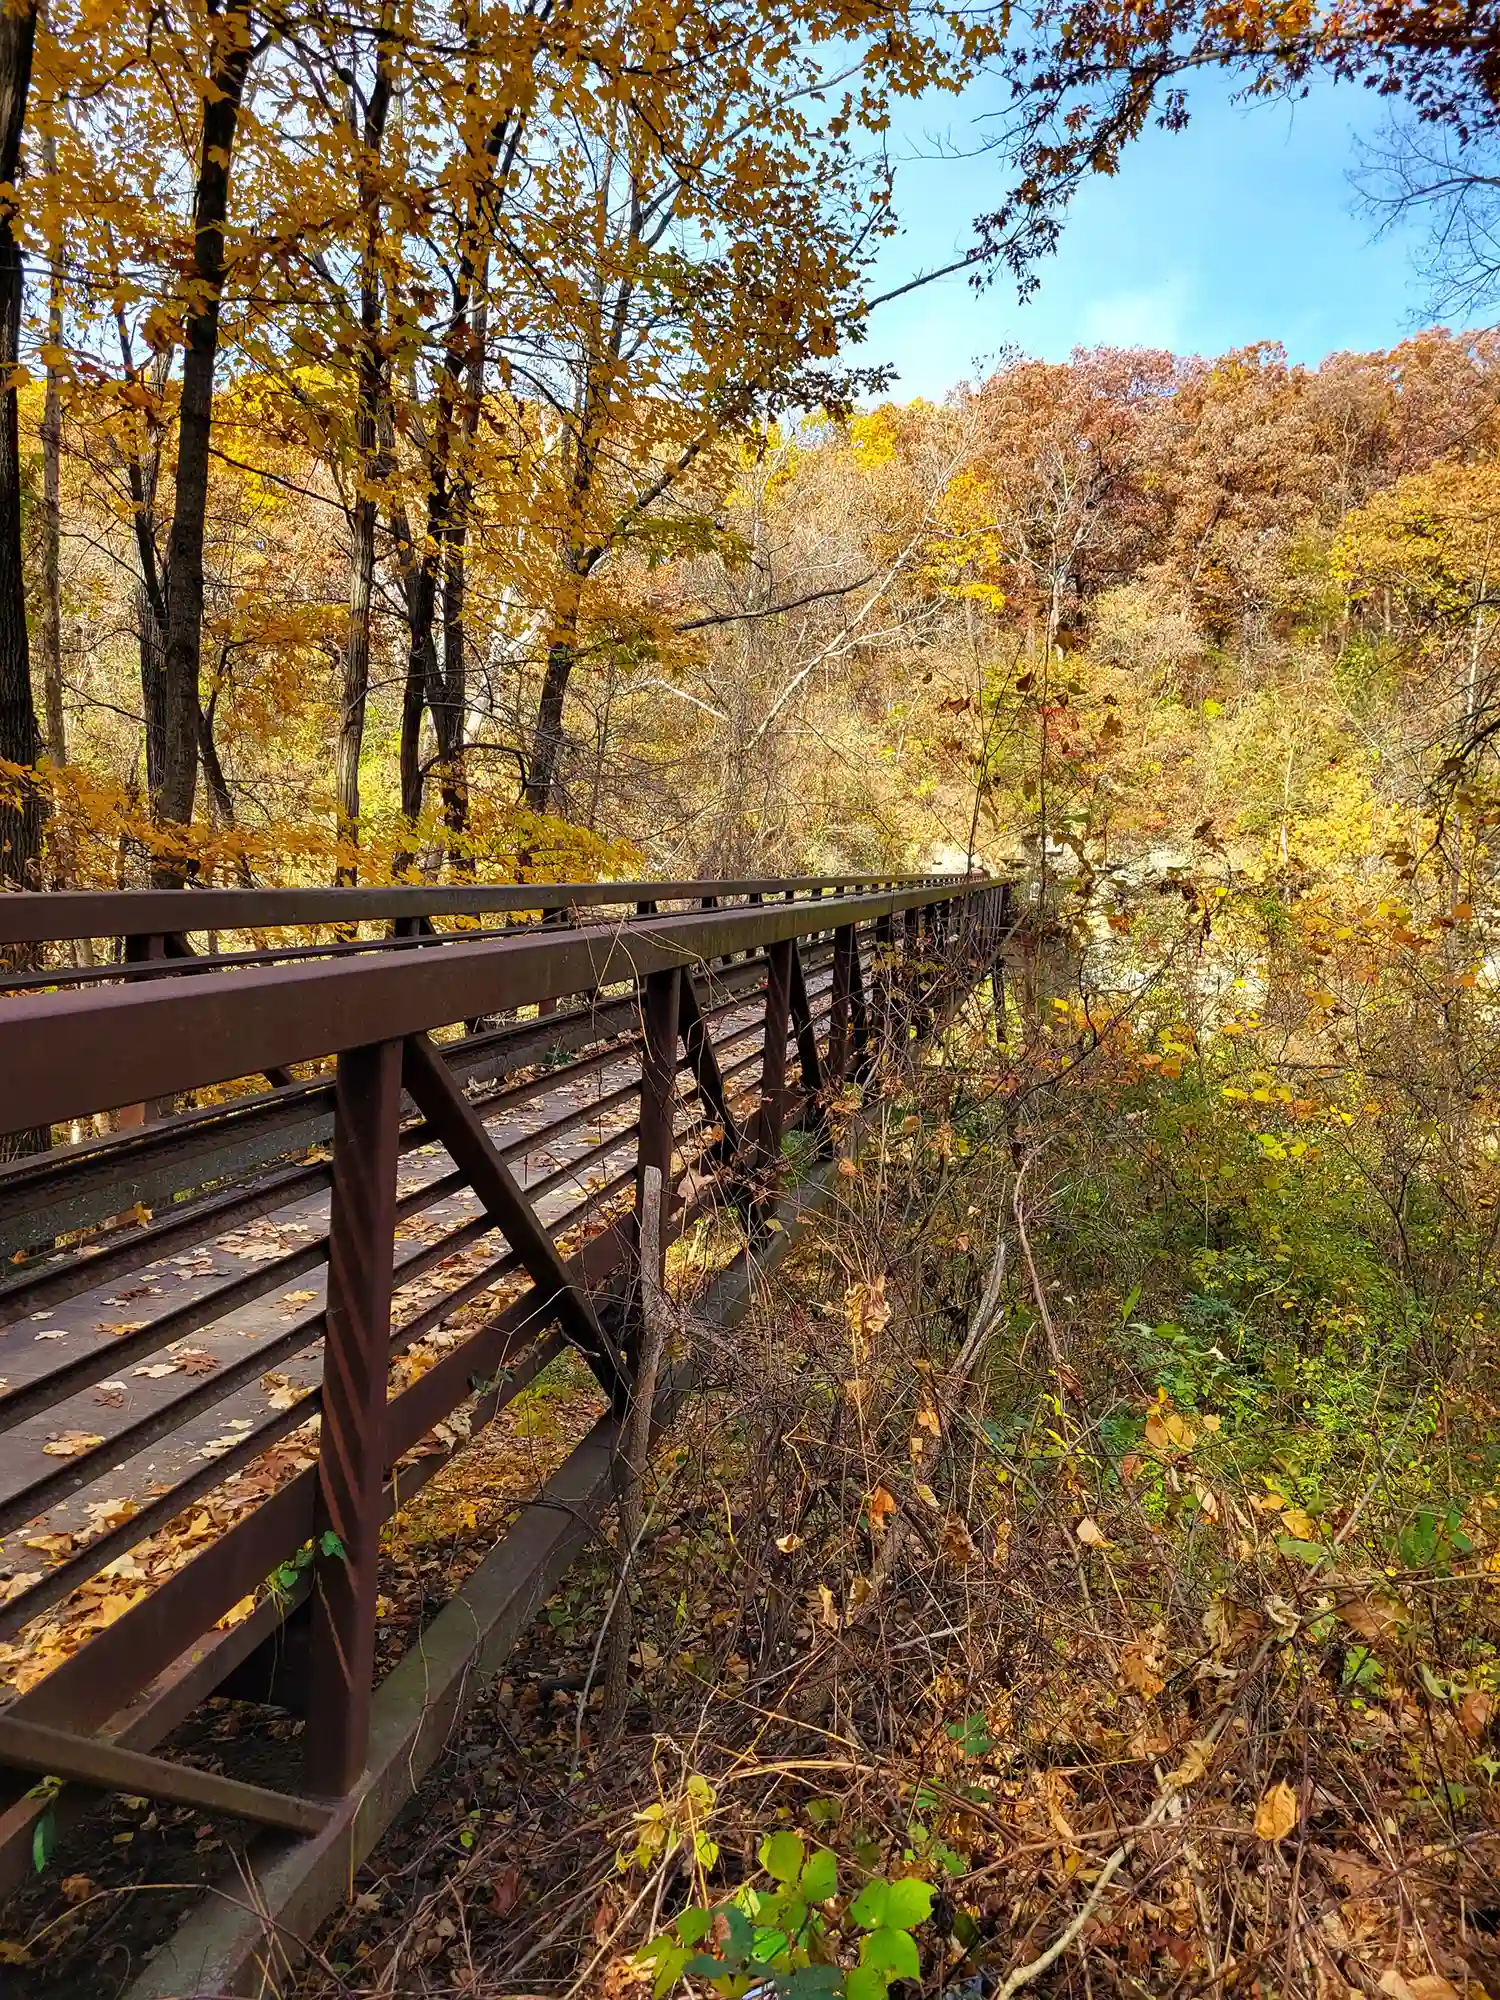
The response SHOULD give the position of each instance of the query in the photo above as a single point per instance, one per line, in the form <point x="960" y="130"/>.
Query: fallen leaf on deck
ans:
<point x="196" y="1362"/>
<point x="71" y="1444"/>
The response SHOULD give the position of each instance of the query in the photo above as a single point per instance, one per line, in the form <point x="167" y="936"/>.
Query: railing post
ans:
<point x="356" y="1350"/>
<point x="661" y="1015"/>
<point x="838" y="1011"/>
<point x="882" y="978"/>
<point x="143" y="949"/>
<point x="553" y="914"/>
<point x="773" y="1053"/>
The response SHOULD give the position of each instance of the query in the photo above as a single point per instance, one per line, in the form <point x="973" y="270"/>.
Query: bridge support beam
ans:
<point x="361" y="1250"/>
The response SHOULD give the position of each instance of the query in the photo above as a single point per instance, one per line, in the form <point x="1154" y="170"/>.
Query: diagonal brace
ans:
<point x="440" y="1098"/>
<point x="704" y="1063"/>
<point x="109" y="1767"/>
<point x="802" y="1024"/>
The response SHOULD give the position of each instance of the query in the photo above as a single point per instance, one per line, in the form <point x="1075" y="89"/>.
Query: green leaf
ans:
<point x="868" y="1909"/>
<point x="738" y="1925"/>
<point x="972" y="1737"/>
<point x="668" y="1957"/>
<point x="781" y="1856"/>
<point x="812" y="1982"/>
<point x="820" y="1878"/>
<point x="330" y="1545"/>
<point x="44" y="1839"/>
<point x="908" y="1904"/>
<point x="865" y="1982"/>
<point x="891" y="1951"/>
<point x="693" y="1925"/>
<point x="1305" y="1552"/>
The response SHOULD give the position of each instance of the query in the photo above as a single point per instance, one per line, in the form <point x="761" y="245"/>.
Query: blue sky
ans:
<point x="1241" y="228"/>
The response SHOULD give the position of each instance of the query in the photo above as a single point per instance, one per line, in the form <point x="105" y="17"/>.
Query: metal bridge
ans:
<point x="365" y="1179"/>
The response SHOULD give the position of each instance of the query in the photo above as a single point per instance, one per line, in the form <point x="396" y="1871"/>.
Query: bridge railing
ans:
<point x="329" y="1284"/>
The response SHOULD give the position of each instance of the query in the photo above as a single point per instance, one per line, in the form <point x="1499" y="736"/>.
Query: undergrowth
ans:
<point x="1092" y="1522"/>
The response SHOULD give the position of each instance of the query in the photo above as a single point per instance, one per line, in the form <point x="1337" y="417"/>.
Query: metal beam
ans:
<point x="456" y="1123"/>
<point x="34" y="918"/>
<point x="68" y="1054"/>
<point x="57" y="1753"/>
<point x="351" y="1445"/>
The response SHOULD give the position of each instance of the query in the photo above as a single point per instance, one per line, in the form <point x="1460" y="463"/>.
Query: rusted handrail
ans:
<point x="690" y="1042"/>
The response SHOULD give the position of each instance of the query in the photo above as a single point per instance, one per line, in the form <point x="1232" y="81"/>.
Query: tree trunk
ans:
<point x="421" y="675"/>
<point x="448" y="716"/>
<point x="49" y="614"/>
<point x="153" y="648"/>
<point x="20" y="738"/>
<point x="184" y="591"/>
<point x="370" y="465"/>
<point x="220" y="798"/>
<point x="546" y="754"/>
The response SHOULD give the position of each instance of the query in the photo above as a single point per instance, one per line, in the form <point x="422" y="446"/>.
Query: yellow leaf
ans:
<point x="867" y="1310"/>
<point x="1197" y="1755"/>
<point x="1277" y="1812"/>
<point x="881" y="1505"/>
<point x="786" y="1543"/>
<point x="925" y="1494"/>
<point x="1300" y="1524"/>
<point x="1090" y="1533"/>
<point x="71" y="1444"/>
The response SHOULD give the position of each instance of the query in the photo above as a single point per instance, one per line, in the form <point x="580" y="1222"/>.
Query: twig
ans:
<point x="955" y="1380"/>
<point x="1168" y="1802"/>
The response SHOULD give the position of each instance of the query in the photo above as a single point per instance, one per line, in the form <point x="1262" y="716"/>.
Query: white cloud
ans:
<point x="1145" y="316"/>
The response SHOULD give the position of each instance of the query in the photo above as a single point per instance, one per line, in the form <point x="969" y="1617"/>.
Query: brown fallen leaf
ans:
<point x="505" y="1889"/>
<point x="71" y="1444"/>
<point x="110" y="1394"/>
<point x="1138" y="1666"/>
<point x="1475" y="1711"/>
<point x="119" y="1326"/>
<point x="78" y="1888"/>
<point x="1277" y="1812"/>
<point x="1373" y="1619"/>
<point x="1424" y="1986"/>
<point x="1354" y="1875"/>
<point x="196" y="1362"/>
<point x="881" y="1506"/>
